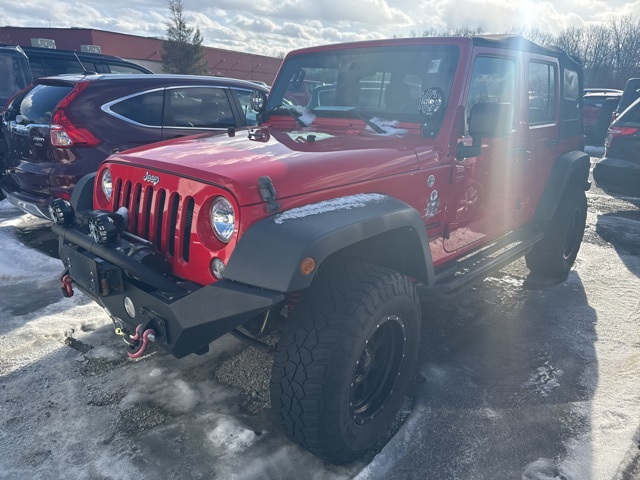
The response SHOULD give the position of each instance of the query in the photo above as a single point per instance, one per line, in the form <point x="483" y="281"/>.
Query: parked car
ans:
<point x="327" y="222"/>
<point x="15" y="75"/>
<point x="630" y="93"/>
<point x="618" y="171"/>
<point x="46" y="62"/>
<point x="61" y="128"/>
<point x="598" y="106"/>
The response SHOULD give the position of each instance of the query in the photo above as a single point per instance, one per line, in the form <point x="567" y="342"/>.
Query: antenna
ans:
<point x="84" y="70"/>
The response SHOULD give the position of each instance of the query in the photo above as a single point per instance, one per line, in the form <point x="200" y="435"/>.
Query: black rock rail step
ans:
<point x="495" y="256"/>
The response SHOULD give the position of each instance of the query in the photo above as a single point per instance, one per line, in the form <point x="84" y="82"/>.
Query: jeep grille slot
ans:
<point x="186" y="238"/>
<point x="157" y="215"/>
<point x="148" y="193"/>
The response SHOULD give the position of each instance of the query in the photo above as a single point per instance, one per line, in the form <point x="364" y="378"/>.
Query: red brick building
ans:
<point x="145" y="51"/>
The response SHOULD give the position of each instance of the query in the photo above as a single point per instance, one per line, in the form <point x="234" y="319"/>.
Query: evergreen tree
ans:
<point x="183" y="52"/>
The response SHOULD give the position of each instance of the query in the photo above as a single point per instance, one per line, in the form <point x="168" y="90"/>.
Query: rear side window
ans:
<point x="145" y="108"/>
<point x="571" y="95"/>
<point x="542" y="93"/>
<point x="37" y="106"/>
<point x="198" y="107"/>
<point x="54" y="66"/>
<point x="122" y="69"/>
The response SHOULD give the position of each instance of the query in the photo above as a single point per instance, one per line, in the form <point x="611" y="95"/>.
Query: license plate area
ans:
<point x="95" y="275"/>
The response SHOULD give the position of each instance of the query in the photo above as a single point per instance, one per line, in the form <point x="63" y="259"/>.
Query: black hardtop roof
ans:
<point x="518" y="42"/>
<point x="61" y="52"/>
<point x="12" y="48"/>
<point x="153" y="80"/>
<point x="505" y="41"/>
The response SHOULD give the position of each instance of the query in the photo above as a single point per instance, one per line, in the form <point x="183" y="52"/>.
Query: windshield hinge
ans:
<point x="268" y="194"/>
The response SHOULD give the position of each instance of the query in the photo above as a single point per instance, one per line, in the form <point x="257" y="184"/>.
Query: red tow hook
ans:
<point x="67" y="289"/>
<point x="142" y="341"/>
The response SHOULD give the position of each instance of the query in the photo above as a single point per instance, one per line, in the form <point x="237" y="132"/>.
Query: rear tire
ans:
<point x="555" y="254"/>
<point x="345" y="360"/>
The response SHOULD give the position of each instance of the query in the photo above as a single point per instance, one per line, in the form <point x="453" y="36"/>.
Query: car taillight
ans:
<point x="65" y="133"/>
<point x="617" y="132"/>
<point x="62" y="195"/>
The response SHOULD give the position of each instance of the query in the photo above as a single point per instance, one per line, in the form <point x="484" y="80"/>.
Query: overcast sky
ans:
<point x="273" y="27"/>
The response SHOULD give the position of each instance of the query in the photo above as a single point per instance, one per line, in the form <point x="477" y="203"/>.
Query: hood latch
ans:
<point x="268" y="194"/>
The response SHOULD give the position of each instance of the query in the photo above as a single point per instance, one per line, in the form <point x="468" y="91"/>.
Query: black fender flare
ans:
<point x="569" y="167"/>
<point x="82" y="194"/>
<point x="269" y="253"/>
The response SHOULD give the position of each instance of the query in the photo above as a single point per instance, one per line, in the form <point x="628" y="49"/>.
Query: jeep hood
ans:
<point x="297" y="162"/>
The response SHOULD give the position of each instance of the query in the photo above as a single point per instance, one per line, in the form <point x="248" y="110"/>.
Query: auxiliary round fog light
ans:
<point x="217" y="268"/>
<point x="128" y="306"/>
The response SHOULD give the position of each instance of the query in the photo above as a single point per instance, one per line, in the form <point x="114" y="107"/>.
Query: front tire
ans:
<point x="555" y="254"/>
<point x="345" y="360"/>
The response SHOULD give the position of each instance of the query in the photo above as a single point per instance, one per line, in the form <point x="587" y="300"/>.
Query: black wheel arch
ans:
<point x="570" y="167"/>
<point x="82" y="194"/>
<point x="384" y="231"/>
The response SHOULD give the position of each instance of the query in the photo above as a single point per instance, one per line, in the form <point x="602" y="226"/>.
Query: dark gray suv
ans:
<point x="61" y="128"/>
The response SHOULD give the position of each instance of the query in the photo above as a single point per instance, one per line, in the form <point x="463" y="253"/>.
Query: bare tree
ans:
<point x="625" y="44"/>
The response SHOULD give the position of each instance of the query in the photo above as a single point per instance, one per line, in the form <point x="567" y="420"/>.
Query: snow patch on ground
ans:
<point x="541" y="469"/>
<point x="229" y="435"/>
<point x="545" y="380"/>
<point x="333" y="205"/>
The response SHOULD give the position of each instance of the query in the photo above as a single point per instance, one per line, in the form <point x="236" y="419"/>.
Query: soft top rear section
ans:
<point x="516" y="42"/>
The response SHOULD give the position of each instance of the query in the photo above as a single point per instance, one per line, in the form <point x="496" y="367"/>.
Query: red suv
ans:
<point x="417" y="167"/>
<point x="61" y="128"/>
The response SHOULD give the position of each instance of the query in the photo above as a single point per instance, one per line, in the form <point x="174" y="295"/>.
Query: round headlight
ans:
<point x="223" y="218"/>
<point x="106" y="183"/>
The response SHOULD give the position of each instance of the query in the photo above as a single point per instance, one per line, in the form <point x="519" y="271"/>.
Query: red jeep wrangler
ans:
<point x="417" y="166"/>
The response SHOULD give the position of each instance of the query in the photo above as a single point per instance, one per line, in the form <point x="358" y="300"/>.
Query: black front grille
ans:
<point x="158" y="215"/>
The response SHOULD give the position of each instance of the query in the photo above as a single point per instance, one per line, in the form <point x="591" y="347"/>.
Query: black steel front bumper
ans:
<point x="185" y="316"/>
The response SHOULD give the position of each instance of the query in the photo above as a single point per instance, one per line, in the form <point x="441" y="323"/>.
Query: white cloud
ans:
<point x="270" y="27"/>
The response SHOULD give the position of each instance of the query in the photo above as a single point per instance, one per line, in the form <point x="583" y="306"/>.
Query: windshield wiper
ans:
<point x="281" y="108"/>
<point x="370" y="124"/>
<point x="349" y="112"/>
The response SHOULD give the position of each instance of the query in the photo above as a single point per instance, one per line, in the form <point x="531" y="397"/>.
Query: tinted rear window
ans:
<point x="632" y="114"/>
<point x="38" y="104"/>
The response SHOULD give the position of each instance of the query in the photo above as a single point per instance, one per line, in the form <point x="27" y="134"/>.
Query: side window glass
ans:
<point x="542" y="93"/>
<point x="145" y="109"/>
<point x="121" y="69"/>
<point x="571" y="95"/>
<point x="198" y="107"/>
<point x="492" y="81"/>
<point x="54" y="66"/>
<point x="37" y="70"/>
<point x="247" y="111"/>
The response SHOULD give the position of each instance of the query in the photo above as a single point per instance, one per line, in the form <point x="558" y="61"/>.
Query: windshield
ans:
<point x="385" y="82"/>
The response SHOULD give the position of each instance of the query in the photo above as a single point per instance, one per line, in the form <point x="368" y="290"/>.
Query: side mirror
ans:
<point x="486" y="120"/>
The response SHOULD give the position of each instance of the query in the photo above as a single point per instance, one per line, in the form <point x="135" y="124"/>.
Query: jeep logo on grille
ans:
<point x="151" y="178"/>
